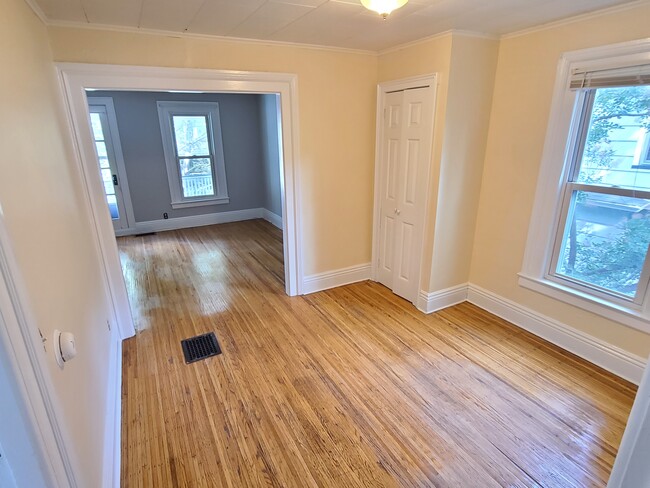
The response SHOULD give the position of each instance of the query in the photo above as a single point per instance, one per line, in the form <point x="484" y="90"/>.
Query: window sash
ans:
<point x="570" y="188"/>
<point x="560" y="235"/>
<point x="209" y="112"/>
<point x="209" y="131"/>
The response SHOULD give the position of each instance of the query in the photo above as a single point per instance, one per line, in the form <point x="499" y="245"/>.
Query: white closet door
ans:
<point x="389" y="184"/>
<point x="406" y="156"/>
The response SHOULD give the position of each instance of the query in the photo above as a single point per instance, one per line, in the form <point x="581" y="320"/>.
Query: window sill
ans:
<point x="629" y="316"/>
<point x="200" y="203"/>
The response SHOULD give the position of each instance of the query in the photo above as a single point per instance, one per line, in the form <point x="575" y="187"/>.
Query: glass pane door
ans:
<point x="107" y="165"/>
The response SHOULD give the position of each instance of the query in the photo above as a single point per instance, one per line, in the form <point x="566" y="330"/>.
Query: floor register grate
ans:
<point x="200" y="347"/>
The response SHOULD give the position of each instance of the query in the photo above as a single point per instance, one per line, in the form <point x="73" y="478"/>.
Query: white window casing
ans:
<point x="616" y="65"/>
<point x="209" y="110"/>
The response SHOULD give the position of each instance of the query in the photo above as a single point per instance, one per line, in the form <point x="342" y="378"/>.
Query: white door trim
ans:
<point x="75" y="78"/>
<point x="382" y="89"/>
<point x="107" y="102"/>
<point x="20" y="341"/>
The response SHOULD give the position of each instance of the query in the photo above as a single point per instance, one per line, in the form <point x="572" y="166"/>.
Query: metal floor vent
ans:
<point x="200" y="347"/>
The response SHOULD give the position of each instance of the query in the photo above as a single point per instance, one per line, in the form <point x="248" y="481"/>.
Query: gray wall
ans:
<point x="246" y="152"/>
<point x="270" y="153"/>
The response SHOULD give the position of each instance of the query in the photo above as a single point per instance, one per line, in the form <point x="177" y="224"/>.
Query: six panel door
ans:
<point x="406" y="156"/>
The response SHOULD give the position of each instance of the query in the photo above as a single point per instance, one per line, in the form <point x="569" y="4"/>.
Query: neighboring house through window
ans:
<point x="193" y="147"/>
<point x="590" y="233"/>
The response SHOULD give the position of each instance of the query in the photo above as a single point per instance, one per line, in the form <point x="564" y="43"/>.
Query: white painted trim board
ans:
<point x="613" y="359"/>
<point x="176" y="223"/>
<point x="272" y="218"/>
<point x="434" y="301"/>
<point x="332" y="279"/>
<point x="192" y="221"/>
<point x="113" y="426"/>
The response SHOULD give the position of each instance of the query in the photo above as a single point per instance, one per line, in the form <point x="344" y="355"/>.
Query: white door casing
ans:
<point x="76" y="78"/>
<point x="404" y="162"/>
<point x="631" y="468"/>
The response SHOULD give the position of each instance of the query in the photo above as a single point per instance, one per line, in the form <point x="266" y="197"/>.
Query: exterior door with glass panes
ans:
<point x="108" y="166"/>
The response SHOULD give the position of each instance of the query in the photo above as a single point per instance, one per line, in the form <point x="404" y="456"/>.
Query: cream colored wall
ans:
<point x="465" y="67"/>
<point x="469" y="100"/>
<point x="336" y="93"/>
<point x="46" y="217"/>
<point x="520" y="111"/>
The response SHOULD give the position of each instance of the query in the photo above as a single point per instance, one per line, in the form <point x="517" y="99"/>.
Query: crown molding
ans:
<point x="456" y="32"/>
<point x="204" y="37"/>
<point x="576" y="18"/>
<point x="450" y="32"/>
<point x="37" y="10"/>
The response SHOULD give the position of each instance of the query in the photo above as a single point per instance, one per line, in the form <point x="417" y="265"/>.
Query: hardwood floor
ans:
<point x="351" y="387"/>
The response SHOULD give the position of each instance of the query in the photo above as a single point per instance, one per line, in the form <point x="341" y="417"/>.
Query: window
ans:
<point x="589" y="237"/>
<point x="604" y="234"/>
<point x="191" y="133"/>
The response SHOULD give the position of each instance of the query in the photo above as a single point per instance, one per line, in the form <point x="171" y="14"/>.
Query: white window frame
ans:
<point x="547" y="217"/>
<point x="210" y="110"/>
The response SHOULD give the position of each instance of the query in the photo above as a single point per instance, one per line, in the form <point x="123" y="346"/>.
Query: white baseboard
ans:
<point x="274" y="219"/>
<point x="607" y="356"/>
<point x="192" y="221"/>
<point x="113" y="428"/>
<point x="332" y="279"/>
<point x="437" y="300"/>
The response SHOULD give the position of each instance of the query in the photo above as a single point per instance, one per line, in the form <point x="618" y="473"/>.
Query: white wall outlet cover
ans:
<point x="64" y="347"/>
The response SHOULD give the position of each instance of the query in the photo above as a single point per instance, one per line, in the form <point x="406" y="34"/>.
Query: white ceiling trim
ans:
<point x="37" y="10"/>
<point x="455" y="32"/>
<point x="207" y="37"/>
<point x="538" y="28"/>
<point x="575" y="18"/>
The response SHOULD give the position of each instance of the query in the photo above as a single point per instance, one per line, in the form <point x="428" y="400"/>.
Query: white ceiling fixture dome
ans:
<point x="383" y="7"/>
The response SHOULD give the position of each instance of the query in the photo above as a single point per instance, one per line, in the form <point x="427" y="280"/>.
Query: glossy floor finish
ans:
<point x="344" y="388"/>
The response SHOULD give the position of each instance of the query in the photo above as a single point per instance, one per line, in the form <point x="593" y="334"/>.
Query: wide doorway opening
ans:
<point x="218" y="150"/>
<point x="193" y="187"/>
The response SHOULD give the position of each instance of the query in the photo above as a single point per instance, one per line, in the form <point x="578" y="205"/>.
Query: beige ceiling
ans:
<point x="340" y="23"/>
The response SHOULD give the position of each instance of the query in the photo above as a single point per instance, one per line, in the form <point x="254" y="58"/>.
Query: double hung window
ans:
<point x="604" y="231"/>
<point x="589" y="236"/>
<point x="191" y="133"/>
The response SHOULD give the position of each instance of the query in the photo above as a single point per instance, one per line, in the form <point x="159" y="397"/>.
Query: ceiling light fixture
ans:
<point x="383" y="7"/>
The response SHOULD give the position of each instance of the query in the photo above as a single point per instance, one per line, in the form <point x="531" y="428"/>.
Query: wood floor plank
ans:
<point x="350" y="387"/>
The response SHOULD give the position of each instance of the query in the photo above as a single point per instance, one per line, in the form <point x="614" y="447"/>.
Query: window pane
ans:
<point x="616" y="139"/>
<point x="191" y="133"/>
<point x="606" y="241"/>
<point x="112" y="206"/>
<point x="103" y="155"/>
<point x="107" y="179"/>
<point x="101" y="149"/>
<point x="96" y="123"/>
<point x="196" y="175"/>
